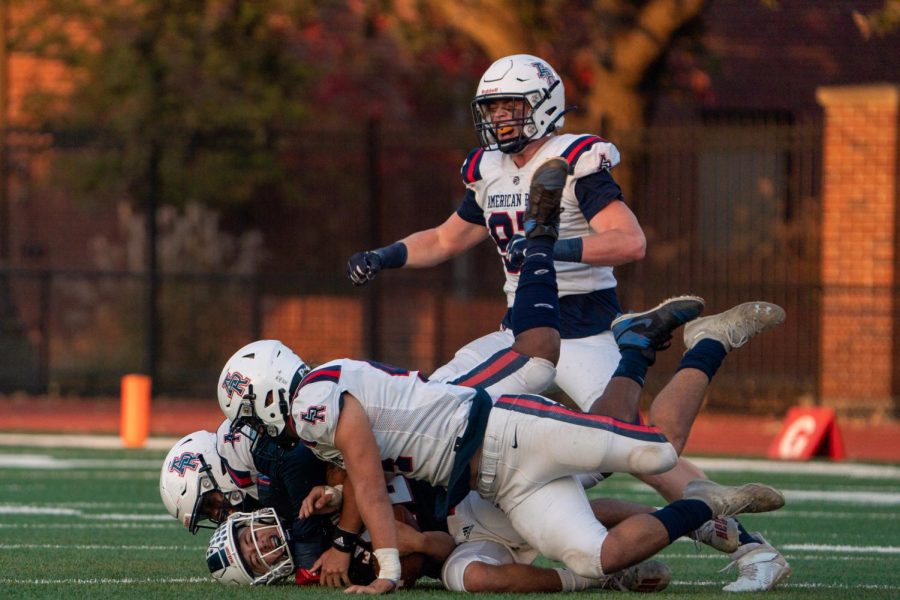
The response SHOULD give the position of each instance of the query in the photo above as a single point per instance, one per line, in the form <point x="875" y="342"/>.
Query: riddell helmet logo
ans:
<point x="490" y="91"/>
<point x="235" y="382"/>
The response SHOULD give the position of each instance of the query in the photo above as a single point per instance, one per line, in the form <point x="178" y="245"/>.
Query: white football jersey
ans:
<point x="416" y="423"/>
<point x="235" y="450"/>
<point x="501" y="191"/>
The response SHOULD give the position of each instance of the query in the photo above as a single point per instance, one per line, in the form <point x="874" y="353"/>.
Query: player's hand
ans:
<point x="379" y="586"/>
<point x="333" y="568"/>
<point x="515" y="252"/>
<point x="362" y="267"/>
<point x="321" y="500"/>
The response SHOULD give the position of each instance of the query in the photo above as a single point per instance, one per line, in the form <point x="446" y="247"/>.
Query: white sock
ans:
<point x="573" y="582"/>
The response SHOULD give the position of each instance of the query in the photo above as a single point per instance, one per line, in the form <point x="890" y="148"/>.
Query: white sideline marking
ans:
<point x="44" y="461"/>
<point x="91" y="526"/>
<point x="102" y="442"/>
<point x="883" y="498"/>
<point x="18" y="509"/>
<point x="789" y="585"/>
<point x="840" y="548"/>
<point x="809" y="548"/>
<point x="105" y="581"/>
<point x="797" y="468"/>
<point x="14" y="509"/>
<point x="115" y="547"/>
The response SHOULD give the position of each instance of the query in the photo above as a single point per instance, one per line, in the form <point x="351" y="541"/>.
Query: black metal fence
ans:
<point x="731" y="213"/>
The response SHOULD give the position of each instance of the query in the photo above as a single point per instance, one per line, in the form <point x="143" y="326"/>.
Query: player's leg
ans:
<point x="530" y="439"/>
<point x="708" y="341"/>
<point x="557" y="520"/>
<point x="760" y="565"/>
<point x="535" y="311"/>
<point x="525" y="363"/>
<point x="490" y="363"/>
<point x="639" y="336"/>
<point x="585" y="367"/>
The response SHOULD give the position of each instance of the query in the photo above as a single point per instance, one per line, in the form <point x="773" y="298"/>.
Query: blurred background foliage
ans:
<point x="272" y="138"/>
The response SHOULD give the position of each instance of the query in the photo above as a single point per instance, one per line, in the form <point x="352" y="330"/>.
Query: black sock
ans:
<point x="683" y="516"/>
<point x="745" y="537"/>
<point x="633" y="365"/>
<point x="706" y="356"/>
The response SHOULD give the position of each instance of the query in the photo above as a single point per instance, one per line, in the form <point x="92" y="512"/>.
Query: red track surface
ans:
<point x="729" y="435"/>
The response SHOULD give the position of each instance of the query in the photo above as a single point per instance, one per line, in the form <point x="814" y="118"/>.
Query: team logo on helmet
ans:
<point x="184" y="462"/>
<point x="544" y="72"/>
<point x="235" y="383"/>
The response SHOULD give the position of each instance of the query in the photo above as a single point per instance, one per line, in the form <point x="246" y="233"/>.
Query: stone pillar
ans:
<point x="859" y="330"/>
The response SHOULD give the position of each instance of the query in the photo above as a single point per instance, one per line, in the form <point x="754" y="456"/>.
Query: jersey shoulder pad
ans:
<point x="588" y="154"/>
<point x="328" y="372"/>
<point x="471" y="168"/>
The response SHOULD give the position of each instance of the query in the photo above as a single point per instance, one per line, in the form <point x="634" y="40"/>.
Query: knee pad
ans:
<point x="650" y="459"/>
<point x="533" y="377"/>
<point x="488" y="552"/>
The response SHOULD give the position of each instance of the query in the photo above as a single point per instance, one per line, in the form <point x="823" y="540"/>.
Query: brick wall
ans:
<point x="859" y="248"/>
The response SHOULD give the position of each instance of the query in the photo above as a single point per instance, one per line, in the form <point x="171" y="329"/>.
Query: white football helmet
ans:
<point x="519" y="77"/>
<point x="259" y="533"/>
<point x="191" y="471"/>
<point x="257" y="382"/>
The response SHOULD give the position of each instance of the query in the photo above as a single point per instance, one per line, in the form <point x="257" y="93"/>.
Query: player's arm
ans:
<point x="451" y="238"/>
<point x="355" y="440"/>
<point x="436" y="545"/>
<point x="334" y="564"/>
<point x="424" y="248"/>
<point x="618" y="238"/>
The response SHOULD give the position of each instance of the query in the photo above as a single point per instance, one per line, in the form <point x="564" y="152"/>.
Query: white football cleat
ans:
<point x="721" y="534"/>
<point x="760" y="567"/>
<point x="727" y="501"/>
<point x="734" y="327"/>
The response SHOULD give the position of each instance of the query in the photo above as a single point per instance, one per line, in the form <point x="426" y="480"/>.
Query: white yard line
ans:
<point x="64" y="440"/>
<point x="104" y="581"/>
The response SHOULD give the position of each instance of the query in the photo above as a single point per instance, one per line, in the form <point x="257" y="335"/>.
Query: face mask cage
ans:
<point x="266" y="524"/>
<point x="205" y="484"/>
<point x="533" y="102"/>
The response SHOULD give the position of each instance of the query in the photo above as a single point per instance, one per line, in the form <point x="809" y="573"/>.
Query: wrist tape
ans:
<point x="388" y="564"/>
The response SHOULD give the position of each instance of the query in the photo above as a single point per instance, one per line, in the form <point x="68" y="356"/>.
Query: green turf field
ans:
<point x="89" y="523"/>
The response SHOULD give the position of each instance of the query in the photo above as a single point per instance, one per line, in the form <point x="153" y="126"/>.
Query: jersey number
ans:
<point x="502" y="227"/>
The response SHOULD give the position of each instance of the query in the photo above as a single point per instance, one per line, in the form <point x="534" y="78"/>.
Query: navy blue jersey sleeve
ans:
<point x="289" y="476"/>
<point x="469" y="209"/>
<point x="595" y="191"/>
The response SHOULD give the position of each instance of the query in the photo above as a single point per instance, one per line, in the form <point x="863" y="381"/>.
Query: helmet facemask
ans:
<point x="537" y="92"/>
<point x="250" y="549"/>
<point x="189" y="486"/>
<point x="491" y="133"/>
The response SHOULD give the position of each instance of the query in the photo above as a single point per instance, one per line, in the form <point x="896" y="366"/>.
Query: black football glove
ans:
<point x="363" y="266"/>
<point x="515" y="252"/>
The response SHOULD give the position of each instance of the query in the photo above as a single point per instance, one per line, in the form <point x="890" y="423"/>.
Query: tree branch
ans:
<point x="492" y="24"/>
<point x="640" y="46"/>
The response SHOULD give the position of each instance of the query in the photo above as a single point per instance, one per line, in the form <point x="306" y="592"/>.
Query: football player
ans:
<point x="206" y="477"/>
<point x="519" y="452"/>
<point x="518" y="110"/>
